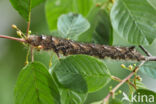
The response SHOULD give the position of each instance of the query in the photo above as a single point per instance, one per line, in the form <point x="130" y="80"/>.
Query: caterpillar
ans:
<point x="69" y="47"/>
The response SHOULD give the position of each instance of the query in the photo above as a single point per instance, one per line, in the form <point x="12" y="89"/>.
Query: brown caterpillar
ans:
<point x="68" y="47"/>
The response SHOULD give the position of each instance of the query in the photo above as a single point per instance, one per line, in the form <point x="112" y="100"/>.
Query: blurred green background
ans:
<point x="12" y="54"/>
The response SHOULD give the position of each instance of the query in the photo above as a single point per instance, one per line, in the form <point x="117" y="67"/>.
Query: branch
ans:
<point x="122" y="82"/>
<point x="119" y="80"/>
<point x="12" y="38"/>
<point x="29" y="18"/>
<point x="151" y="58"/>
<point x="32" y="54"/>
<point x="145" y="51"/>
<point x="28" y="27"/>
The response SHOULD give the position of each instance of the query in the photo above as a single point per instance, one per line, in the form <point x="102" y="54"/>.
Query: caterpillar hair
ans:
<point x="69" y="47"/>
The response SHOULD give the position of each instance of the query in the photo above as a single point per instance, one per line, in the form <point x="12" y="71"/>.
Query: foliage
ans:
<point x="143" y="99"/>
<point x="131" y="21"/>
<point x="149" y="69"/>
<point x="71" y="78"/>
<point x="72" y="25"/>
<point x="24" y="6"/>
<point x="36" y="86"/>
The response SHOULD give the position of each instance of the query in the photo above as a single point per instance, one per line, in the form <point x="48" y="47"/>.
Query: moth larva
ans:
<point x="67" y="47"/>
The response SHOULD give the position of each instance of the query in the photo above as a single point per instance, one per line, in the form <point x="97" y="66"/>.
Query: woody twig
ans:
<point x="149" y="58"/>
<point x="145" y="51"/>
<point x="121" y="83"/>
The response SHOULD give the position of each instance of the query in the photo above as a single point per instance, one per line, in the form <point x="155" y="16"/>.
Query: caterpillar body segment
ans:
<point x="69" y="47"/>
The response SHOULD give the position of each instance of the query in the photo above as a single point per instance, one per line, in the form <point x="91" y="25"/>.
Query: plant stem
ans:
<point x="28" y="27"/>
<point x="29" y="19"/>
<point x="32" y="54"/>
<point x="27" y="56"/>
<point x="12" y="38"/>
<point x="122" y="82"/>
<point x="151" y="58"/>
<point x="119" y="80"/>
<point x="145" y="51"/>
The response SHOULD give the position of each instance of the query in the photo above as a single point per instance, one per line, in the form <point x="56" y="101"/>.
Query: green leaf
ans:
<point x="140" y="85"/>
<point x="56" y="33"/>
<point x="72" y="25"/>
<point x="112" y="101"/>
<point x="71" y="97"/>
<point x="24" y="6"/>
<point x="88" y="35"/>
<point x="118" y="41"/>
<point x="144" y="96"/>
<point x="45" y="58"/>
<point x="97" y="102"/>
<point x="72" y="69"/>
<point x="149" y="68"/>
<point x="69" y="78"/>
<point x="95" y="17"/>
<point x="36" y="2"/>
<point x="55" y="8"/>
<point x="42" y="57"/>
<point x="103" y="32"/>
<point x="130" y="18"/>
<point x="36" y="86"/>
<point x="83" y="6"/>
<point x="115" y="101"/>
<point x="153" y="3"/>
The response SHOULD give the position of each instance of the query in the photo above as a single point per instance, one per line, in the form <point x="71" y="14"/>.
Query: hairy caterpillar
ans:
<point x="68" y="47"/>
